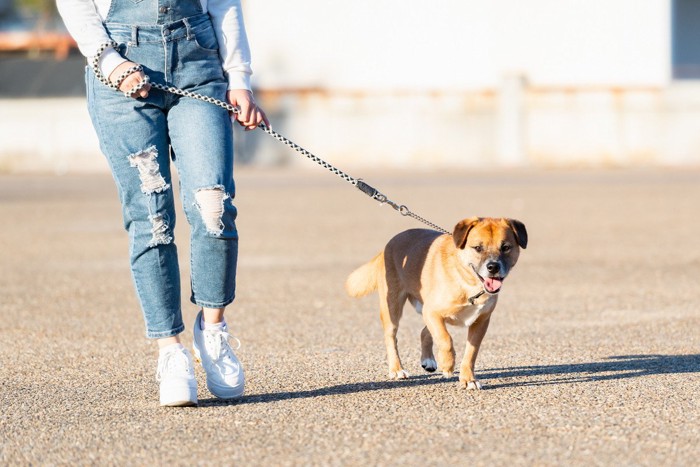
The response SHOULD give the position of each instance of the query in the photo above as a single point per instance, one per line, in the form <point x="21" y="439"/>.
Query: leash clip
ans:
<point x="403" y="209"/>
<point x="381" y="198"/>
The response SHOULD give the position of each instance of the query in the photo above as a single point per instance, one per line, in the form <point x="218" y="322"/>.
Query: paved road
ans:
<point x="592" y="358"/>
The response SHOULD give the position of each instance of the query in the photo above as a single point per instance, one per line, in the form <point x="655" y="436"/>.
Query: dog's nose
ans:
<point x="493" y="267"/>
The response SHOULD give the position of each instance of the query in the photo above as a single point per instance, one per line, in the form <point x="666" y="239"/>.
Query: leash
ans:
<point x="356" y="182"/>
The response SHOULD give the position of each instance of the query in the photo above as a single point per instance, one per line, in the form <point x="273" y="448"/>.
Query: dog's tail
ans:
<point x="363" y="280"/>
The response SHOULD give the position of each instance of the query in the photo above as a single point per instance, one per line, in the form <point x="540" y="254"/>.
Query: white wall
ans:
<point x="458" y="44"/>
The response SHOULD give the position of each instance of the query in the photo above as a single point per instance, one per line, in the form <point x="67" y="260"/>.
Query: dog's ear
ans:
<point x="462" y="231"/>
<point x="519" y="231"/>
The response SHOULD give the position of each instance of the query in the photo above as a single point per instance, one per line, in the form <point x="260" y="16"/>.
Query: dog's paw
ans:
<point x="429" y="364"/>
<point x="470" y="385"/>
<point x="447" y="374"/>
<point x="401" y="374"/>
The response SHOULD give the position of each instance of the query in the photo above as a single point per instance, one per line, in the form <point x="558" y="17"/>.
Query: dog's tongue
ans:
<point x="492" y="284"/>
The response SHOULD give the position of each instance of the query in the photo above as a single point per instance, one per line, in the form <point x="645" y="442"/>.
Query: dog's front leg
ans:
<point x="443" y="342"/>
<point x="475" y="335"/>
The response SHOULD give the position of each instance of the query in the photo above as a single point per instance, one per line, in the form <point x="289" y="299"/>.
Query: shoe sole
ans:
<point x="179" y="404"/>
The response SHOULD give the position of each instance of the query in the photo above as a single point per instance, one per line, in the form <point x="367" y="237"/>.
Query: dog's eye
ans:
<point x="506" y="248"/>
<point x="478" y="248"/>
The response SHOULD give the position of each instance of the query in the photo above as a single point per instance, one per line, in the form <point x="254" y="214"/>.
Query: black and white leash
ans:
<point x="356" y="182"/>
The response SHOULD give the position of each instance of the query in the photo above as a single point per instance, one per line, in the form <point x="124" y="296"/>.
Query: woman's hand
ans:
<point x="131" y="81"/>
<point x="250" y="115"/>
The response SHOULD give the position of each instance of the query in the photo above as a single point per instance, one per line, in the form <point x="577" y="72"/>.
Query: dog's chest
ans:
<point x="464" y="315"/>
<point x="470" y="313"/>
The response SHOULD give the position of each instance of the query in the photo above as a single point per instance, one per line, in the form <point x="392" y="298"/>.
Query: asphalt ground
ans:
<point x="592" y="357"/>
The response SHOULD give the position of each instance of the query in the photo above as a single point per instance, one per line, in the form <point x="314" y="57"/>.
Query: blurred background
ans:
<point x="407" y="84"/>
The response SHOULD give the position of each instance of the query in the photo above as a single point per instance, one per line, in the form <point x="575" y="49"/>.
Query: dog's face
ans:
<point x="489" y="248"/>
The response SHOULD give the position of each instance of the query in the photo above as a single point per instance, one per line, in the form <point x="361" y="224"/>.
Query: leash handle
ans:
<point x="366" y="189"/>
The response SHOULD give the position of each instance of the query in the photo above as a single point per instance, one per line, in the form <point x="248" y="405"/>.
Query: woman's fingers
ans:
<point x="257" y="118"/>
<point x="135" y="84"/>
<point x="245" y="113"/>
<point x="249" y="115"/>
<point x="132" y="84"/>
<point x="252" y="117"/>
<point x="263" y="118"/>
<point x="143" y="91"/>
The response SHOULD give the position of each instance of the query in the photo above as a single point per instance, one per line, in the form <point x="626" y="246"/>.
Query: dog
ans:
<point x="449" y="279"/>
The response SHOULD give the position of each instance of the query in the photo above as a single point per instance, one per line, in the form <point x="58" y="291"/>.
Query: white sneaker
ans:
<point x="225" y="378"/>
<point x="178" y="387"/>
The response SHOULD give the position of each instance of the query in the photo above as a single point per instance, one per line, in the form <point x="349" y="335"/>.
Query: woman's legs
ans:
<point x="202" y="143"/>
<point x="209" y="316"/>
<point x="137" y="137"/>
<point x="133" y="136"/>
<point x="134" y="139"/>
<point x="213" y="315"/>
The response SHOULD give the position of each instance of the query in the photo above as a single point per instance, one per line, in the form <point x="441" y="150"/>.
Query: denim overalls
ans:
<point x="175" y="42"/>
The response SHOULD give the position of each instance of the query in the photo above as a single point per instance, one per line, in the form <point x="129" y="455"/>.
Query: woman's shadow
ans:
<point x="612" y="368"/>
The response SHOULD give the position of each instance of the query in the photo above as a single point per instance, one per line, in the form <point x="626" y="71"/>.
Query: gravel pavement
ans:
<point x="592" y="357"/>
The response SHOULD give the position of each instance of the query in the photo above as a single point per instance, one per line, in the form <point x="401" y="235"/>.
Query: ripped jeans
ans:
<point x="139" y="139"/>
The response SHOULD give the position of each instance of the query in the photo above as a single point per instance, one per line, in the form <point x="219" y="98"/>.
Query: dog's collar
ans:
<point x="473" y="298"/>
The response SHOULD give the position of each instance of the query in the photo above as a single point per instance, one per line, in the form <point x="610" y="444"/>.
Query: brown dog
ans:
<point x="449" y="279"/>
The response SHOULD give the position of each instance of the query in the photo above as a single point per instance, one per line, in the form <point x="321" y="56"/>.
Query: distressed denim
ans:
<point x="175" y="43"/>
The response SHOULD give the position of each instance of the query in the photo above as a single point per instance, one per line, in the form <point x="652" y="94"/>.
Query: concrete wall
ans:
<point x="516" y="125"/>
<point x="49" y="134"/>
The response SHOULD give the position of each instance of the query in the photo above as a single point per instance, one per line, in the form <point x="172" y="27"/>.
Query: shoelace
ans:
<point x="175" y="362"/>
<point x="217" y="343"/>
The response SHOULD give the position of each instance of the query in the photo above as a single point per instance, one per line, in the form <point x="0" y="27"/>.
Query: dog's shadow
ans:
<point x="613" y="368"/>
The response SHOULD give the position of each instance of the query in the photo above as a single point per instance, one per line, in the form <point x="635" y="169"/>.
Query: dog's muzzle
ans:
<point x="493" y="282"/>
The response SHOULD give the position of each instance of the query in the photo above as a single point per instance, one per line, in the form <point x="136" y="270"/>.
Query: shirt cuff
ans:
<point x="238" y="80"/>
<point x="110" y="60"/>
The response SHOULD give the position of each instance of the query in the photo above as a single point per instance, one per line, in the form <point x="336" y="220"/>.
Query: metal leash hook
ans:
<point x="357" y="182"/>
<point x="401" y="208"/>
<point x="377" y="195"/>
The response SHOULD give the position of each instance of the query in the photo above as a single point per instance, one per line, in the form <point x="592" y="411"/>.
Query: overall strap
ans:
<point x="152" y="12"/>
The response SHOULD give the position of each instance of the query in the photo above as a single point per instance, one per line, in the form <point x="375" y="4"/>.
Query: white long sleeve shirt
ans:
<point x="84" y="20"/>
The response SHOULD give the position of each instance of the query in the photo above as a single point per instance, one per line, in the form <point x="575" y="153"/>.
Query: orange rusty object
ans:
<point x="26" y="41"/>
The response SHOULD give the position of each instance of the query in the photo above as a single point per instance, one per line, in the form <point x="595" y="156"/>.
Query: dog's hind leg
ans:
<point x="445" y="350"/>
<point x="427" y="359"/>
<point x="390" y="309"/>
